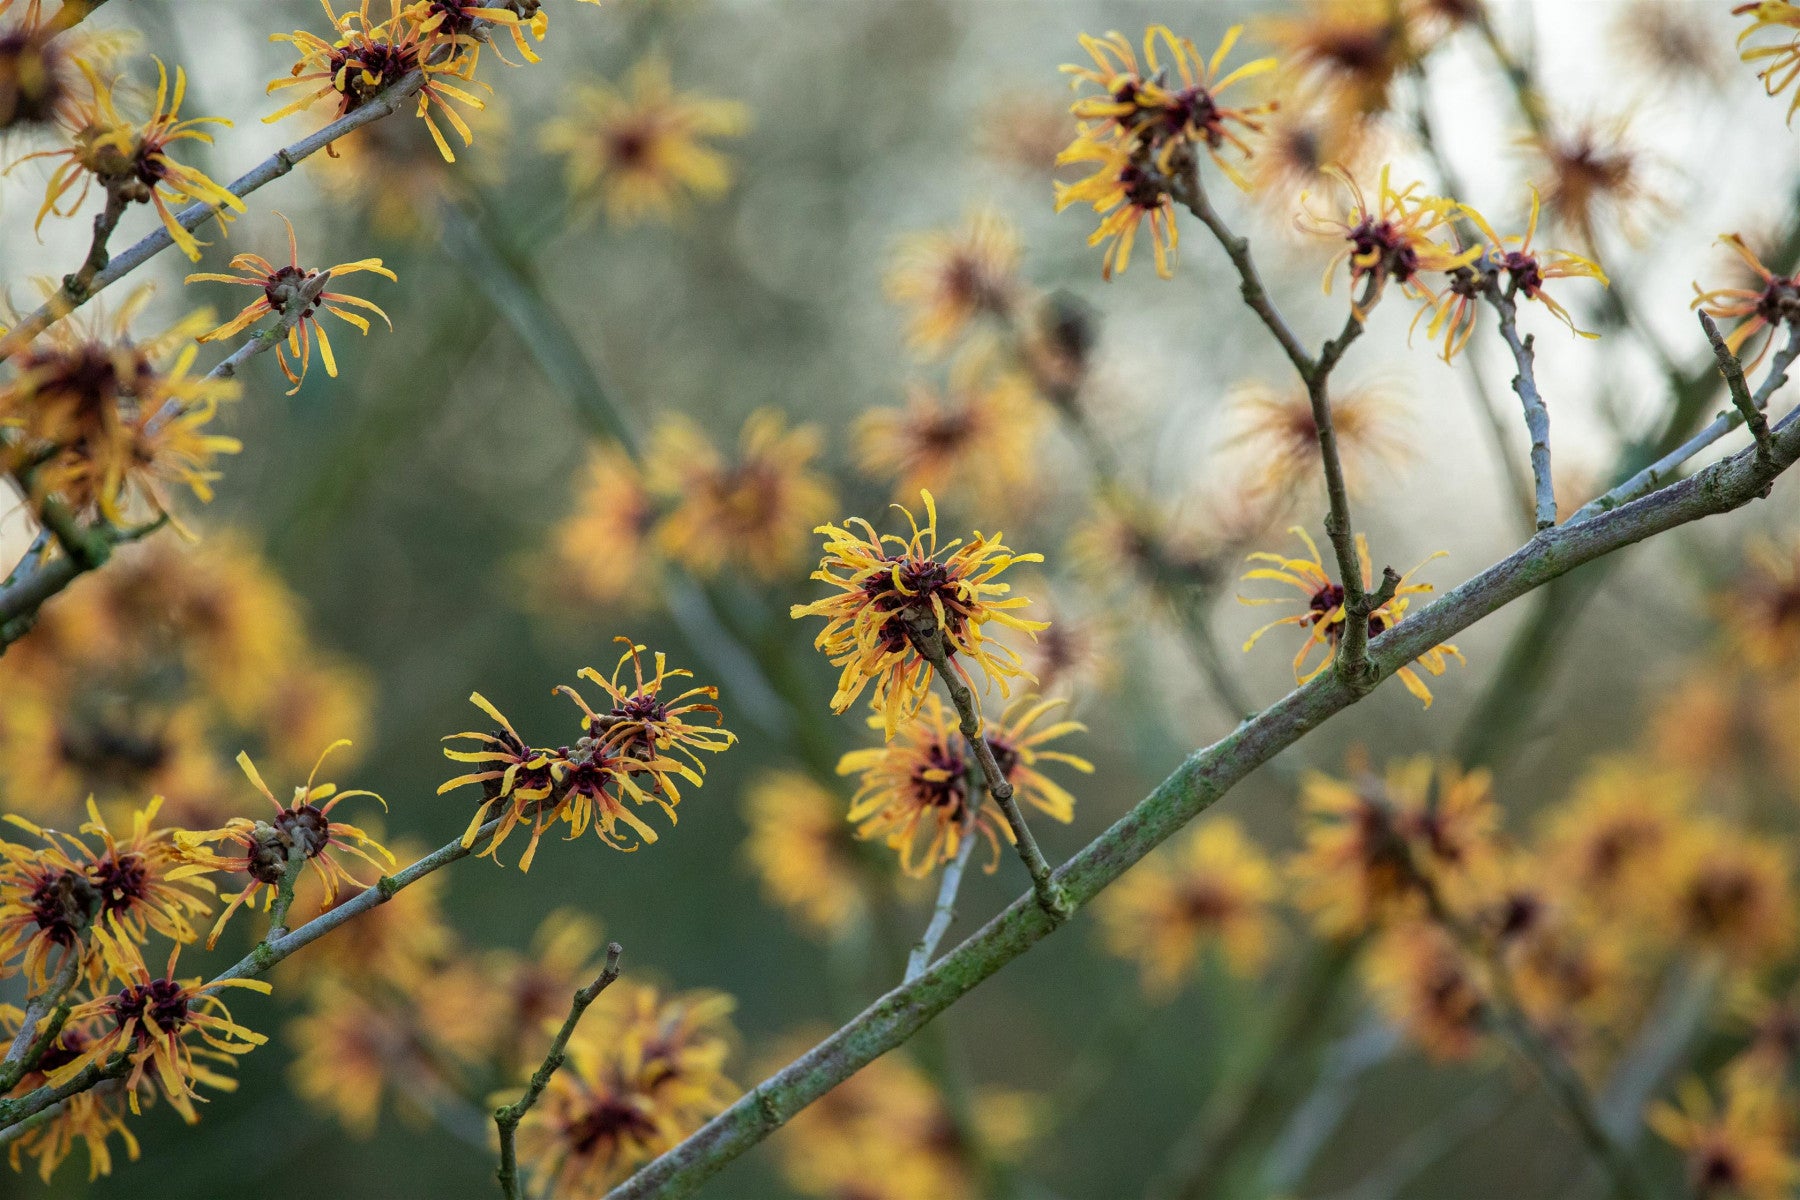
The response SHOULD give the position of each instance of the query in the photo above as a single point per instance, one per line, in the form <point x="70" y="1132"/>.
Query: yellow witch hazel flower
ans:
<point x="369" y="56"/>
<point x="132" y="160"/>
<point x="1781" y="59"/>
<point x="1396" y="239"/>
<point x="289" y="286"/>
<point x="915" y="789"/>
<point x="894" y="590"/>
<point x="1525" y="269"/>
<point x="1140" y="129"/>
<point x="1324" y="615"/>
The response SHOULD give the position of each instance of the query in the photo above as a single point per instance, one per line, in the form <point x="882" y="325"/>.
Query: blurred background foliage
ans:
<point x="387" y="542"/>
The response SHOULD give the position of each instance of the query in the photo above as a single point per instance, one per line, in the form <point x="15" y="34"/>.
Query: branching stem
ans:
<point x="508" y="1116"/>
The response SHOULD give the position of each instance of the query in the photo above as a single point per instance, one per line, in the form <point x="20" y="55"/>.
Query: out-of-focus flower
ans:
<point x="315" y="699"/>
<point x="978" y="438"/>
<point x="1773" y="302"/>
<point x="1732" y="893"/>
<point x="522" y="996"/>
<point x="1428" y="22"/>
<point x="602" y="551"/>
<point x="1739" y="1150"/>
<point x="893" y="589"/>
<point x="1526" y="271"/>
<point x="1351" y="51"/>
<point x="1299" y="141"/>
<point x="1275" y="444"/>
<point x="399" y="943"/>
<point x="644" y="1070"/>
<point x="751" y="511"/>
<point x="1594" y="177"/>
<point x="1427" y="987"/>
<point x="887" y="1134"/>
<point x="950" y="278"/>
<point x="260" y="849"/>
<point x="89" y="1119"/>
<point x="1780" y="59"/>
<point x="352" y="1052"/>
<point x="1324" y="615"/>
<point x="1761" y="613"/>
<point x="57" y="748"/>
<point x="1369" y="840"/>
<point x="1395" y="239"/>
<point x="132" y="160"/>
<point x="37" y="78"/>
<point x="291" y="287"/>
<point x="1610" y="840"/>
<point x="1664" y="38"/>
<point x="915" y="788"/>
<point x="369" y="57"/>
<point x="1214" y="888"/>
<point x="154" y="1020"/>
<point x="1567" y="971"/>
<point x="108" y="417"/>
<point x="639" y="152"/>
<point x="1025" y="130"/>
<point x="800" y="847"/>
<point x="1075" y="655"/>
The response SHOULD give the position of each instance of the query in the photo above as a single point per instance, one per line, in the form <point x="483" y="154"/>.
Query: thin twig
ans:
<point x="507" y="1117"/>
<point x="1733" y="371"/>
<point x="49" y="1009"/>
<point x="1665" y="468"/>
<point x="196" y="215"/>
<point x="266" y="954"/>
<point x="1206" y="775"/>
<point x="944" y="911"/>
<point x="930" y="643"/>
<point x="1352" y="661"/>
<point x="1537" y="413"/>
<point x="21" y="597"/>
<point x="267" y="339"/>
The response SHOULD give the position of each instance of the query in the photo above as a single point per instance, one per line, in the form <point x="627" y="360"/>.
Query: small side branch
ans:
<point x="1733" y="371"/>
<point x="1050" y="897"/>
<point x="944" y="911"/>
<point x="49" y="1009"/>
<point x="1537" y="414"/>
<point x="507" y="1117"/>
<point x="1663" y="470"/>
<point x="118" y="266"/>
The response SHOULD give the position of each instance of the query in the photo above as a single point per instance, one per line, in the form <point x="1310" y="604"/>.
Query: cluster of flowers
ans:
<point x="703" y="510"/>
<point x="1640" y="875"/>
<point x="142" y="678"/>
<point x="633" y="754"/>
<point x="78" y="914"/>
<point x="400" y="1012"/>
